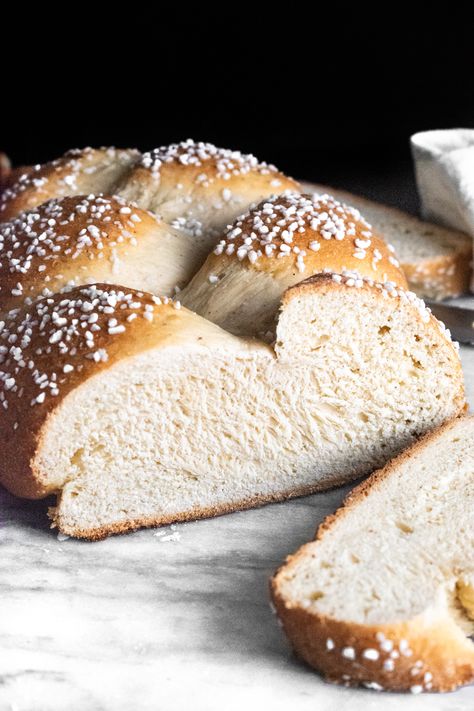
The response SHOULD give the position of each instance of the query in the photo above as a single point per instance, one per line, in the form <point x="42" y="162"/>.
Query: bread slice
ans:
<point x="384" y="597"/>
<point x="436" y="260"/>
<point x="136" y="412"/>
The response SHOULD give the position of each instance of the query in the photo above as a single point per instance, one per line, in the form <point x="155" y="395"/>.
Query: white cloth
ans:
<point x="444" y="167"/>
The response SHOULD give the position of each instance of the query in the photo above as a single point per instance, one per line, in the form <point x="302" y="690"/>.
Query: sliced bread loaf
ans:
<point x="137" y="412"/>
<point x="436" y="260"/>
<point x="385" y="595"/>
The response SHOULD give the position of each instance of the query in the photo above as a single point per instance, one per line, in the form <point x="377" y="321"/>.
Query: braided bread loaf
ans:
<point x="136" y="411"/>
<point x="193" y="186"/>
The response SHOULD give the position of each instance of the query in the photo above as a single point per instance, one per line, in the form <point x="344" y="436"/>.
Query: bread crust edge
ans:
<point x="101" y="532"/>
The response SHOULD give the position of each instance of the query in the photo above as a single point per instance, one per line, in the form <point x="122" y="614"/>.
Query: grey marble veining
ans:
<point x="137" y="622"/>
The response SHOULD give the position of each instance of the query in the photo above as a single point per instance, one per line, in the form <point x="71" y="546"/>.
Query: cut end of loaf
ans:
<point x="146" y="439"/>
<point x="384" y="597"/>
<point x="133" y="401"/>
<point x="48" y="349"/>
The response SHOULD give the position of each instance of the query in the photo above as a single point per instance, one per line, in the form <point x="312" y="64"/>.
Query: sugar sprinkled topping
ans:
<point x="220" y="163"/>
<point x="62" y="172"/>
<point x="66" y="227"/>
<point x="171" y="535"/>
<point x="189" y="225"/>
<point x="373" y="685"/>
<point x="348" y="653"/>
<point x="384" y="649"/>
<point x="41" y="347"/>
<point x="289" y="224"/>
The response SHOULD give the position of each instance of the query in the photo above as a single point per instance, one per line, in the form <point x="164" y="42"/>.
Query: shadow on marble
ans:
<point x="30" y="514"/>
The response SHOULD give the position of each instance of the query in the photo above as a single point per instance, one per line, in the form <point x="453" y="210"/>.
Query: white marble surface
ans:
<point x="134" y="622"/>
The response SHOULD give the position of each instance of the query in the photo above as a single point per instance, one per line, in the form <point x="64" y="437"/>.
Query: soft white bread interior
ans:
<point x="385" y="596"/>
<point x="436" y="260"/>
<point x="85" y="239"/>
<point x="275" y="245"/>
<point x="137" y="412"/>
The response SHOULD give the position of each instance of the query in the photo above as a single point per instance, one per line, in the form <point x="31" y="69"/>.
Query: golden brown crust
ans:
<point x="15" y="174"/>
<point x="50" y="348"/>
<point x="422" y="654"/>
<point x="321" y="282"/>
<point x="427" y="657"/>
<point x="198" y="166"/>
<point x="182" y="172"/>
<point x="67" y="241"/>
<point x="98" y="534"/>
<point x="65" y="176"/>
<point x="28" y="411"/>
<point x="8" y="174"/>
<point x="445" y="276"/>
<point x="308" y="235"/>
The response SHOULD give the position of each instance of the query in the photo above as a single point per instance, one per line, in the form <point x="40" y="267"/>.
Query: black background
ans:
<point x="330" y="97"/>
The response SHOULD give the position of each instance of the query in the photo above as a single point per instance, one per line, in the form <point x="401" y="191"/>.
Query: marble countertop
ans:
<point x="175" y="621"/>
